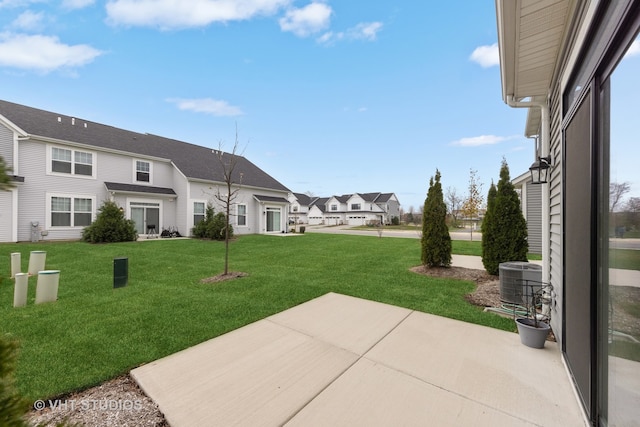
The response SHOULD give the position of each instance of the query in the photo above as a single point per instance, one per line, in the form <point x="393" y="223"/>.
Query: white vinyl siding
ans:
<point x="556" y="260"/>
<point x="6" y="145"/>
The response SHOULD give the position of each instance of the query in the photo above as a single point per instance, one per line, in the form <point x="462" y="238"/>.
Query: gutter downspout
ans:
<point x="543" y="148"/>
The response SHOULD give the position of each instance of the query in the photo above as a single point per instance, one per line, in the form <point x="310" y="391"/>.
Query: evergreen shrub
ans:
<point x="436" y="241"/>
<point x="110" y="226"/>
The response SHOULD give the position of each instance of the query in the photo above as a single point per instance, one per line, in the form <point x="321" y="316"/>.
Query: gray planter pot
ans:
<point x="530" y="335"/>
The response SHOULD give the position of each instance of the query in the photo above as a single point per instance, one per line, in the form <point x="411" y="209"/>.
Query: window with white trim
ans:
<point x="74" y="162"/>
<point x="242" y="215"/>
<point x="143" y="171"/>
<point x="68" y="211"/>
<point x="198" y="212"/>
<point x="355" y="206"/>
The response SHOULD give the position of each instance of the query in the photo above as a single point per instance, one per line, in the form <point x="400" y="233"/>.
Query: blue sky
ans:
<point x="329" y="97"/>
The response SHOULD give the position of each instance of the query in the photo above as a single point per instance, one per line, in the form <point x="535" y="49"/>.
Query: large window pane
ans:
<point x="273" y="219"/>
<point x="82" y="212"/>
<point x="61" y="160"/>
<point x="621" y="250"/>
<point x="60" y="212"/>
<point x="69" y="161"/>
<point x="83" y="163"/>
<point x="242" y="215"/>
<point x="143" y="171"/>
<point x="198" y="212"/>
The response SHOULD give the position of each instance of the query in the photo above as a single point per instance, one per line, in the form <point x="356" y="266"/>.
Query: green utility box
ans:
<point x="120" y="272"/>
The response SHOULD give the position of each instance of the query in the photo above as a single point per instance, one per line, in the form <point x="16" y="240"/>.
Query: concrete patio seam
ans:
<point x="347" y="368"/>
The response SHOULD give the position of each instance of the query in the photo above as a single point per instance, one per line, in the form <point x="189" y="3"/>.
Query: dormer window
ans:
<point x="355" y="206"/>
<point x="143" y="171"/>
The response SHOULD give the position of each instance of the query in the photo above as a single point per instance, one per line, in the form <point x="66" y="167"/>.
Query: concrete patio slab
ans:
<point x="346" y="322"/>
<point x="372" y="394"/>
<point x="485" y="365"/>
<point x="257" y="375"/>
<point x="339" y="360"/>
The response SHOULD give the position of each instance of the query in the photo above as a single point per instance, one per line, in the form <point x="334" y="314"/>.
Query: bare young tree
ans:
<point x="473" y="203"/>
<point x="233" y="184"/>
<point x="453" y="202"/>
<point x="616" y="193"/>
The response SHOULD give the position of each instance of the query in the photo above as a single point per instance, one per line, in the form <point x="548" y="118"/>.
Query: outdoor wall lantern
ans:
<point x="540" y="170"/>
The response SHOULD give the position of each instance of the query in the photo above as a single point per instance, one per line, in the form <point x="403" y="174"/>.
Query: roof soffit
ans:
<point x="530" y="36"/>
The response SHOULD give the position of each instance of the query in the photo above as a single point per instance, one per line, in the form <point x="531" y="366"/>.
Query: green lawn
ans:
<point x="94" y="332"/>
<point x="627" y="259"/>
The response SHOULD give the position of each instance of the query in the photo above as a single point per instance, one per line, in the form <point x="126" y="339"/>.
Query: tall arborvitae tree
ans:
<point x="504" y="237"/>
<point x="488" y="225"/>
<point x="436" y="242"/>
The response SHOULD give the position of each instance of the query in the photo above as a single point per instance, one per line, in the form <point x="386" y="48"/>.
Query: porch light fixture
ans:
<point x="540" y="170"/>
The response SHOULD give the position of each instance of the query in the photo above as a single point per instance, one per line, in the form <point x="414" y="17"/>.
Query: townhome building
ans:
<point x="64" y="168"/>
<point x="353" y="209"/>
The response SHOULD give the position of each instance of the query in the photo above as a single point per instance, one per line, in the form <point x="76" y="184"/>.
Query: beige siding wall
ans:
<point x="6" y="145"/>
<point x="534" y="217"/>
<point x="555" y="210"/>
<point x="255" y="216"/>
<point x="109" y="167"/>
<point x="6" y="197"/>
<point x="6" y="216"/>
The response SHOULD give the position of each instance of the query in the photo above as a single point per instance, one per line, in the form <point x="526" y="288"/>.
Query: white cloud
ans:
<point x="208" y="106"/>
<point x="42" y="53"/>
<point x="174" y="14"/>
<point x="18" y="3"/>
<point x="28" y="21"/>
<point x="77" y="4"/>
<point x="486" y="56"/>
<point x="477" y="141"/>
<point x="308" y="20"/>
<point x="634" y="49"/>
<point x="364" y="31"/>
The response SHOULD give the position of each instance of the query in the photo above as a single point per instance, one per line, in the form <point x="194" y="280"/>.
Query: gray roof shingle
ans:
<point x="195" y="162"/>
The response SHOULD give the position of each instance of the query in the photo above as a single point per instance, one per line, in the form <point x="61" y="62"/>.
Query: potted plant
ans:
<point x="534" y="328"/>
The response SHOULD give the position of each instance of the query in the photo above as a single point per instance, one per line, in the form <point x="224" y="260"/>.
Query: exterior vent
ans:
<point x="514" y="277"/>
<point x="73" y="121"/>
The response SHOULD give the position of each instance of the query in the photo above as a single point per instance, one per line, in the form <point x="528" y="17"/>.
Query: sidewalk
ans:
<point x="475" y="262"/>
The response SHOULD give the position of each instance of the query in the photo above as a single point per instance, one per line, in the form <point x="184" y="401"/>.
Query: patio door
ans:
<point x="579" y="284"/>
<point x="274" y="223"/>
<point x="146" y="217"/>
